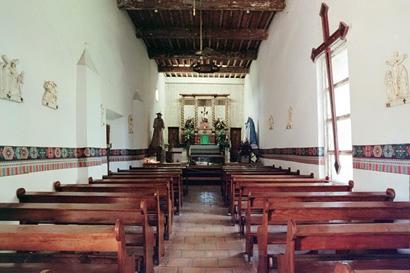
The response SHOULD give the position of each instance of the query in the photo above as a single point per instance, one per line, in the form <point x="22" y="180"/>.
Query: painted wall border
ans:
<point x="306" y="155"/>
<point x="389" y="158"/>
<point x="18" y="160"/>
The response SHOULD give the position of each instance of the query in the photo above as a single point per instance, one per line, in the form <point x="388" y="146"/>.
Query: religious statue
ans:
<point x="11" y="82"/>
<point x="289" y="125"/>
<point x="50" y="95"/>
<point x="270" y="122"/>
<point x="397" y="81"/>
<point x="204" y="119"/>
<point x="131" y="124"/>
<point x="251" y="133"/>
<point x="157" y="137"/>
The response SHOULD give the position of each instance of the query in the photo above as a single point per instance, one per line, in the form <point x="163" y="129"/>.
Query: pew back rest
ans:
<point x="67" y="238"/>
<point x="65" y="213"/>
<point x="338" y="211"/>
<point x="347" y="236"/>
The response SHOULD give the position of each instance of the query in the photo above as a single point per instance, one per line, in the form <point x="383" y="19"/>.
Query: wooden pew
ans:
<point x="154" y="173"/>
<point x="68" y="238"/>
<point x="374" y="266"/>
<point x="140" y="243"/>
<point x="311" y="212"/>
<point x="144" y="182"/>
<point x="240" y="184"/>
<point x="340" y="237"/>
<point x="256" y="205"/>
<point x="126" y="200"/>
<point x="125" y="188"/>
<point x="249" y="171"/>
<point x="284" y="185"/>
<point x="237" y="179"/>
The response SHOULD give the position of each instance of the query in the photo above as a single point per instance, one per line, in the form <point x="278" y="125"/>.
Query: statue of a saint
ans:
<point x="251" y="133"/>
<point x="157" y="137"/>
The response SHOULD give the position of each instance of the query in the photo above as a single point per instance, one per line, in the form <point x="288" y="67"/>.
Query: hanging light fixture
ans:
<point x="200" y="66"/>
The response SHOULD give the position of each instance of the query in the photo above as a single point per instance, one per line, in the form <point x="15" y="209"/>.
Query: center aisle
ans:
<point x="204" y="240"/>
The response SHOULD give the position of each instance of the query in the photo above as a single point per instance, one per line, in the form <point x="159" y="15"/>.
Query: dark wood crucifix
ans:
<point x="326" y="48"/>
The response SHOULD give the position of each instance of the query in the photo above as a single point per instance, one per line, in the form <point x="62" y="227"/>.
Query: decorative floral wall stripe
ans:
<point x="390" y="158"/>
<point x="16" y="160"/>
<point x="309" y="155"/>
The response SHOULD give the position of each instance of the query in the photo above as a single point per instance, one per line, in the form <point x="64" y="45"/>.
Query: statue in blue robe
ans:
<point x="251" y="133"/>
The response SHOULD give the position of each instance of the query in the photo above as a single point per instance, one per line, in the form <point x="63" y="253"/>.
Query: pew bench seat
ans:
<point x="57" y="268"/>
<point x="67" y="239"/>
<point x="373" y="266"/>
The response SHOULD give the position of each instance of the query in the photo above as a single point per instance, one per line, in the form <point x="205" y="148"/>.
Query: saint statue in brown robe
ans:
<point x="157" y="137"/>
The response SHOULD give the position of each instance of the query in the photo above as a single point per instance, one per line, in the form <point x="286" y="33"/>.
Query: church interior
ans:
<point x="202" y="136"/>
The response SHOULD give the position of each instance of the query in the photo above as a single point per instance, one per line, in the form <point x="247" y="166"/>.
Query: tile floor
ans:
<point x="204" y="240"/>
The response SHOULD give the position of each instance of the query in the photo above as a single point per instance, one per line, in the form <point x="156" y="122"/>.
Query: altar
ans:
<point x="205" y="127"/>
<point x="205" y="137"/>
<point x="200" y="114"/>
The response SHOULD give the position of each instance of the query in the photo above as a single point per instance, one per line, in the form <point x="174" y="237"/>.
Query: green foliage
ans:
<point x="222" y="139"/>
<point x="189" y="131"/>
<point x="189" y="124"/>
<point x="220" y="125"/>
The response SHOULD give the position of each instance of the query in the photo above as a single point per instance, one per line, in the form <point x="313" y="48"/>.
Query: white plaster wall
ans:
<point x="251" y="98"/>
<point x="41" y="181"/>
<point x="124" y="165"/>
<point x="377" y="31"/>
<point x="303" y="168"/>
<point x="48" y="36"/>
<point x="284" y="75"/>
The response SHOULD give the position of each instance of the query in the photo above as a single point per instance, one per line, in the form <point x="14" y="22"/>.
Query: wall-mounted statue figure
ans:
<point x="50" y="95"/>
<point x="289" y="125"/>
<point x="11" y="81"/>
<point x="130" y="124"/>
<point x="397" y="81"/>
<point x="271" y="122"/>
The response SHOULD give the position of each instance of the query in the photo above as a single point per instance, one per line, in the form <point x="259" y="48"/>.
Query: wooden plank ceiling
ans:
<point x="232" y="33"/>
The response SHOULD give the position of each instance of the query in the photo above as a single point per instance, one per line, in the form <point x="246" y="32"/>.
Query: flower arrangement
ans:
<point x="220" y="125"/>
<point x="189" y="124"/>
<point x="189" y="131"/>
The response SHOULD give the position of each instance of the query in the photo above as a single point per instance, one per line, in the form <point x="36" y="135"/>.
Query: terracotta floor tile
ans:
<point x="191" y="270"/>
<point x="203" y="240"/>
<point x="219" y="270"/>
<point x="193" y="253"/>
<point x="205" y="262"/>
<point x="163" y="269"/>
<point x="231" y="262"/>
<point x="179" y="262"/>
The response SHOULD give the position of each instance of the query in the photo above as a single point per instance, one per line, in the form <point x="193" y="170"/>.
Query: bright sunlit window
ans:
<point x="343" y="118"/>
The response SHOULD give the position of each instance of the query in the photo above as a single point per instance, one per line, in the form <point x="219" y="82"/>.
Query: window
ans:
<point x="343" y="118"/>
<point x="156" y="95"/>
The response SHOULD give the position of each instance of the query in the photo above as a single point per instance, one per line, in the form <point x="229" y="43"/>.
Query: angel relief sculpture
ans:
<point x="397" y="81"/>
<point x="50" y="96"/>
<point x="11" y="82"/>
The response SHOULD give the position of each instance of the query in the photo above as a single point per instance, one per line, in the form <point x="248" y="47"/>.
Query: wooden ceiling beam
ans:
<point x="189" y="33"/>
<point x="176" y="69"/>
<point x="251" y="5"/>
<point x="190" y="54"/>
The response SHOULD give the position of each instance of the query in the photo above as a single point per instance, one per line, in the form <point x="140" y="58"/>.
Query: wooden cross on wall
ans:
<point x="326" y="48"/>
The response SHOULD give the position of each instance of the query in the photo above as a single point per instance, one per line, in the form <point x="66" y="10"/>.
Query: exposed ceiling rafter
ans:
<point x="187" y="33"/>
<point x="251" y="5"/>
<point x="191" y="54"/>
<point x="227" y="70"/>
